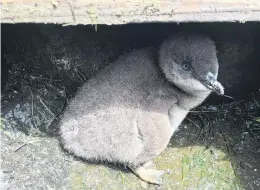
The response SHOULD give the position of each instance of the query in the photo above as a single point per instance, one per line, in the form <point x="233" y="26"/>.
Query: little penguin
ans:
<point x="128" y="112"/>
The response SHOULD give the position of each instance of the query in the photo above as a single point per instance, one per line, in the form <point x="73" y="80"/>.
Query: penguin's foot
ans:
<point x="146" y="173"/>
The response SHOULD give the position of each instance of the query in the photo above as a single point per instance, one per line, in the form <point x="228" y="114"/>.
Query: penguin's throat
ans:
<point x="190" y="101"/>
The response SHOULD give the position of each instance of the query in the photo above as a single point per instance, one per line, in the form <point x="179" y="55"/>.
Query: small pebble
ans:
<point x="168" y="171"/>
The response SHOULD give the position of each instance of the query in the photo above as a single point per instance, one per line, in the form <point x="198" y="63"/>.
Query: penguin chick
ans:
<point x="129" y="111"/>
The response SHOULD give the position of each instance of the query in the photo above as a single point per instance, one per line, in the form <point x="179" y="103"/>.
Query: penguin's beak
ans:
<point x="215" y="86"/>
<point x="212" y="84"/>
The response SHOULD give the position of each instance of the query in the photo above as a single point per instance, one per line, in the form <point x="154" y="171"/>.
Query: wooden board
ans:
<point x="72" y="12"/>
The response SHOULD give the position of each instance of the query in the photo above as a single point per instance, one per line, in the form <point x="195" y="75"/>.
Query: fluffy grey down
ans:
<point x="129" y="111"/>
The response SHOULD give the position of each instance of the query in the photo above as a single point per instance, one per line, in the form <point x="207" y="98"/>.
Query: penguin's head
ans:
<point x="190" y="62"/>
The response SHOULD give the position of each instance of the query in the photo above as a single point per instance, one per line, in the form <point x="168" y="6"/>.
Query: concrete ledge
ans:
<point x="128" y="11"/>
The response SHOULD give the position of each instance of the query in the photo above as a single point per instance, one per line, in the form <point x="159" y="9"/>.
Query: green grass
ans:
<point x="197" y="168"/>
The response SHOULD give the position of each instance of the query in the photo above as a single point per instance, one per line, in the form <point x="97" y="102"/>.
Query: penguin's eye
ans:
<point x="186" y="66"/>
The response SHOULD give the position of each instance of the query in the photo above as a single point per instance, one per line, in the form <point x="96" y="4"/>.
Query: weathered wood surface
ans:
<point x="128" y="11"/>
